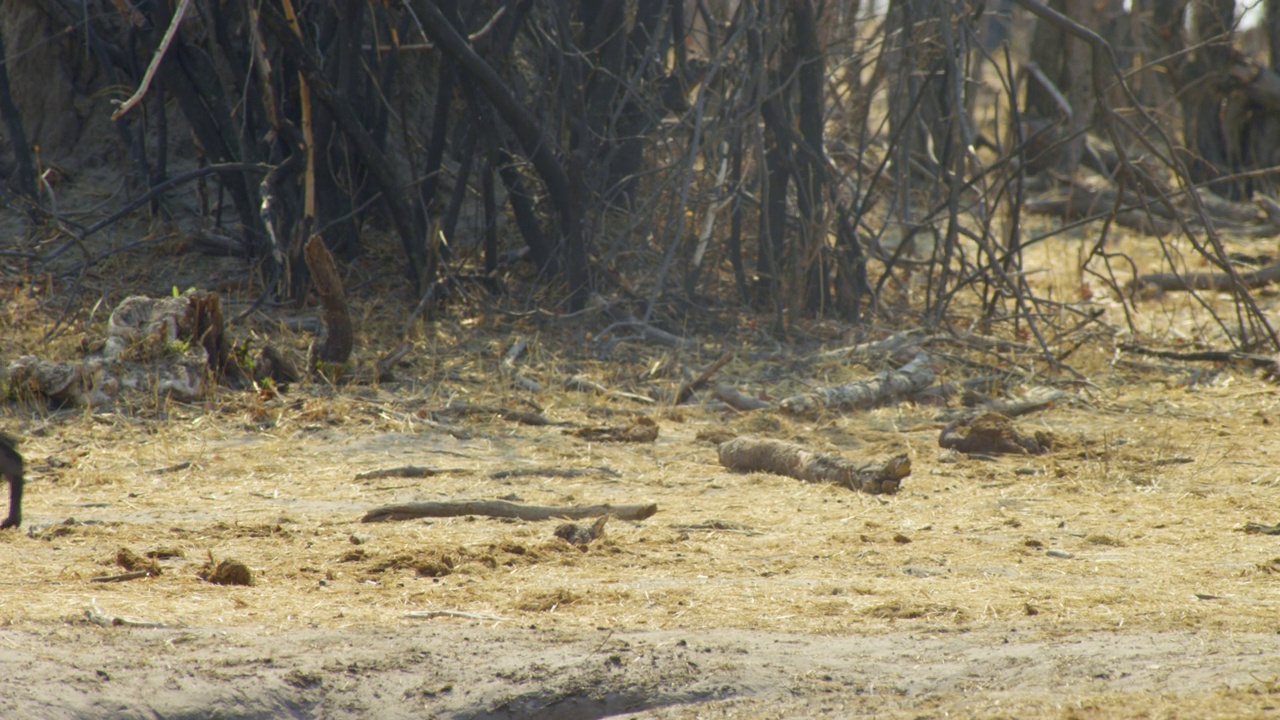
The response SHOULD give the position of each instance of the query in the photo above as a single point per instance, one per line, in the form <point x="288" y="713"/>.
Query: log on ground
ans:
<point x="504" y="509"/>
<point x="884" y="386"/>
<point x="774" y="456"/>
<point x="1217" y="281"/>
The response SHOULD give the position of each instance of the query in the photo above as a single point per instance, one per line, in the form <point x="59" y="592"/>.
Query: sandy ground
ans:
<point x="465" y="669"/>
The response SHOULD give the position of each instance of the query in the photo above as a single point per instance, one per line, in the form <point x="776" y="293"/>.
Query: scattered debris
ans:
<point x="775" y="456"/>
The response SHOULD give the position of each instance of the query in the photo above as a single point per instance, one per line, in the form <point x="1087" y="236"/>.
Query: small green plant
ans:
<point x="330" y="371"/>
<point x="240" y="351"/>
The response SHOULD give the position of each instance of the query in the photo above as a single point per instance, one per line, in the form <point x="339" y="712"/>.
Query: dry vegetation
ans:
<point x="1132" y="527"/>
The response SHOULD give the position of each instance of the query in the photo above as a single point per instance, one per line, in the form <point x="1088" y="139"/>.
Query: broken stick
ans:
<point x="687" y="390"/>
<point x="1217" y="281"/>
<point x="504" y="509"/>
<point x="774" y="456"/>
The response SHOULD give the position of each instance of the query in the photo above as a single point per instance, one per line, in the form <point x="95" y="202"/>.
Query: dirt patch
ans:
<point x="449" y="669"/>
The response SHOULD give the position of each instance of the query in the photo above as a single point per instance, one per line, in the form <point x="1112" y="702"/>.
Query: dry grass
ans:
<point x="1134" y="524"/>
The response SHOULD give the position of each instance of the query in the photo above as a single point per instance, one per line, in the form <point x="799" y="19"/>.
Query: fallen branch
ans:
<point x="407" y="471"/>
<point x="383" y="368"/>
<point x="1082" y="205"/>
<point x="1222" y="282"/>
<point x="504" y="509"/>
<point x="884" y="386"/>
<point x="774" y="456"/>
<point x="688" y="389"/>
<point x="1262" y="361"/>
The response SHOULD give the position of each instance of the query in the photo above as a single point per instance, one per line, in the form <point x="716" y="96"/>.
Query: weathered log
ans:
<point x="504" y="509"/>
<point x="1221" y="282"/>
<point x="745" y="454"/>
<point x="884" y="386"/>
<point x="1082" y="205"/>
